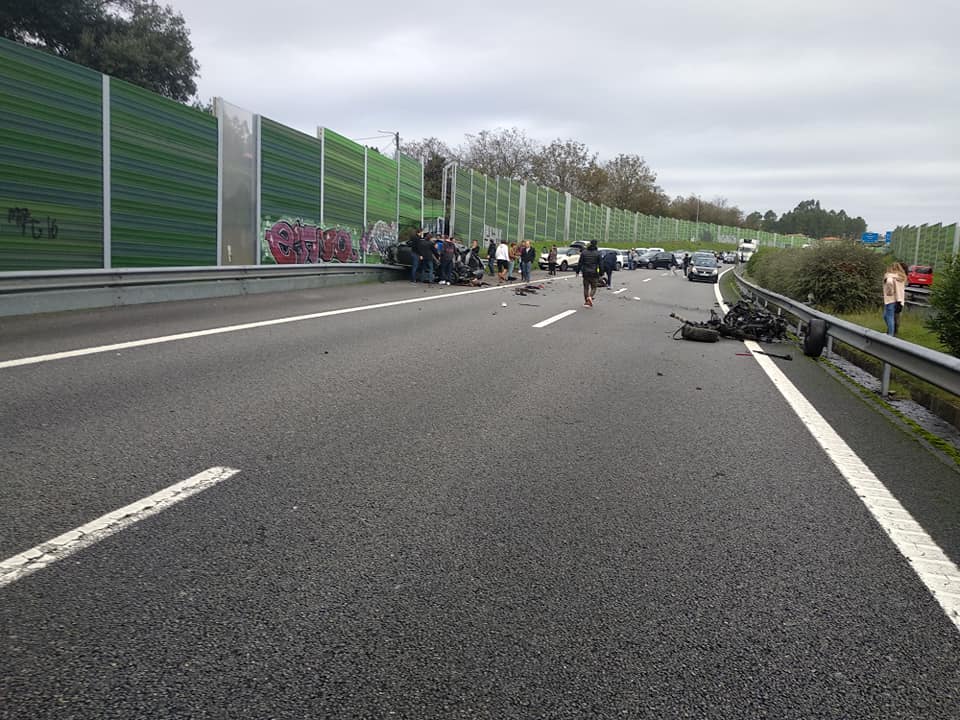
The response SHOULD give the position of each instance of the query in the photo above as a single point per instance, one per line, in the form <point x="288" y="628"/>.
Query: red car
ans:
<point x="919" y="275"/>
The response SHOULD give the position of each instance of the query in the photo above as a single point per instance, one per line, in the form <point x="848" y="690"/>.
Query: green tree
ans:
<point x="771" y="223"/>
<point x="945" y="301"/>
<point x="814" y="221"/>
<point x="631" y="184"/>
<point x="134" y="40"/>
<point x="561" y="164"/>
<point x="500" y="153"/>
<point x="434" y="154"/>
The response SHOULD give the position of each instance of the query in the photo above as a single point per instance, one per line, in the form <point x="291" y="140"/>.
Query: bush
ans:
<point x="945" y="301"/>
<point x="839" y="277"/>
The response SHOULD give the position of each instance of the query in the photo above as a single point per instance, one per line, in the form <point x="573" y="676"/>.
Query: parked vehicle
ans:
<point x="919" y="275"/>
<point x="659" y="260"/>
<point x="704" y="267"/>
<point x="621" y="256"/>
<point x="729" y="257"/>
<point x="567" y="258"/>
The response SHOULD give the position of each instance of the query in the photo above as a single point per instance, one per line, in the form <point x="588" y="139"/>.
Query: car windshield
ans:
<point x="706" y="261"/>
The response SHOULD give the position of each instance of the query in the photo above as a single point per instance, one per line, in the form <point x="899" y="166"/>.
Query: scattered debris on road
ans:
<point x="744" y="321"/>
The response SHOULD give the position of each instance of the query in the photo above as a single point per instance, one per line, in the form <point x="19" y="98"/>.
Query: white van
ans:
<point x="746" y="249"/>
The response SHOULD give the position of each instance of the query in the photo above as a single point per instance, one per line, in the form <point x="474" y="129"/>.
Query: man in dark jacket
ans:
<point x="609" y="265"/>
<point x="590" y="271"/>
<point x="424" y="249"/>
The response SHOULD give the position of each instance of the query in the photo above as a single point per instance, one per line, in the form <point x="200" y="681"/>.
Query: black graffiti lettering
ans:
<point x="20" y="217"/>
<point x="23" y="218"/>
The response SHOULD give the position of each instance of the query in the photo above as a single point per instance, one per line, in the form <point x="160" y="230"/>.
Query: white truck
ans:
<point x="746" y="249"/>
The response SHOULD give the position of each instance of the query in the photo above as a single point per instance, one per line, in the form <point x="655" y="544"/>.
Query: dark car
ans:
<point x="703" y="266"/>
<point x="659" y="260"/>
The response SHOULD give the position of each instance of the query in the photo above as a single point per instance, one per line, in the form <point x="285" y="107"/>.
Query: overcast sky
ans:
<point x="766" y="103"/>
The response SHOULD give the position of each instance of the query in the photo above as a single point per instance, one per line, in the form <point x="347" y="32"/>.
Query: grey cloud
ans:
<point x="765" y="104"/>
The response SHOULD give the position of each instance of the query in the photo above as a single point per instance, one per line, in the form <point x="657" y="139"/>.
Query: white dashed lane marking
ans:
<point x="550" y="320"/>
<point x="62" y="546"/>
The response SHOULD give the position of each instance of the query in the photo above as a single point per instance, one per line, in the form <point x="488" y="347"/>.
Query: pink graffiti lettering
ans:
<point x="295" y="243"/>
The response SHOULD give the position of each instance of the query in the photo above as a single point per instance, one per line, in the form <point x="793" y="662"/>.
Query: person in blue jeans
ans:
<point x="424" y="249"/>
<point x="415" y="254"/>
<point x="894" y="286"/>
<point x="527" y="255"/>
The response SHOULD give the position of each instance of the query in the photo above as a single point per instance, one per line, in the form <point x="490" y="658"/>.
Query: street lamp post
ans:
<point x="697" y="221"/>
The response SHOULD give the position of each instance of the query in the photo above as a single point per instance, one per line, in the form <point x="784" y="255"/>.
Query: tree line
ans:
<point x="149" y="45"/>
<point x="625" y="182"/>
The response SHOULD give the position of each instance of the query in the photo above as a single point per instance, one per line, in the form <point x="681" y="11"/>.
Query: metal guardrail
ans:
<point x="931" y="366"/>
<point x="16" y="282"/>
<point x="26" y="293"/>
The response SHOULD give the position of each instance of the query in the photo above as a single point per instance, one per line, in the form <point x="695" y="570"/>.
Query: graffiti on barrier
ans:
<point x="292" y="242"/>
<point x="491" y="233"/>
<point x="378" y="237"/>
<point x="23" y="218"/>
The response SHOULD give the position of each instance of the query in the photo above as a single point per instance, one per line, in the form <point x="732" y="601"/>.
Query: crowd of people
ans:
<point x="433" y="258"/>
<point x="502" y="257"/>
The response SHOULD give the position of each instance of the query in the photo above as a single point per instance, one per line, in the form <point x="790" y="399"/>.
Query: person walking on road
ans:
<point x="552" y="261"/>
<point x="491" y="255"/>
<point x="894" y="295"/>
<point x="503" y="262"/>
<point x="609" y="265"/>
<point x="590" y="271"/>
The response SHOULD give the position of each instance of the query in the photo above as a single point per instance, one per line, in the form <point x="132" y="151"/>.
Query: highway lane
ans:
<point x="444" y="512"/>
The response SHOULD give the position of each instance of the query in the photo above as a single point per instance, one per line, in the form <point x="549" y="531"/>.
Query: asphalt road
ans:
<point x="442" y="511"/>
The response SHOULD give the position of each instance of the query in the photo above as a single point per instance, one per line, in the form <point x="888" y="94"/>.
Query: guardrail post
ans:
<point x="829" y="345"/>
<point x="885" y="381"/>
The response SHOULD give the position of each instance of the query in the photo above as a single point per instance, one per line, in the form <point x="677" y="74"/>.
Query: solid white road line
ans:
<point x="929" y="562"/>
<point x="548" y="321"/>
<point x="29" y="561"/>
<point x="245" y="326"/>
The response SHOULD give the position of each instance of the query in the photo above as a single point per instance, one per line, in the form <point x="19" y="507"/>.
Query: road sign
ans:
<point x="869" y="237"/>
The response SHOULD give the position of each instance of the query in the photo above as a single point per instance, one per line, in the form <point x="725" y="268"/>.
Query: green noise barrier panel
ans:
<point x="530" y="214"/>
<point x="490" y="216"/>
<point x="51" y="162"/>
<point x="342" y="182"/>
<point x="381" y="188"/>
<point x="163" y="175"/>
<point x="478" y="208"/>
<point x="411" y="192"/>
<point x="461" y="198"/>
<point x="289" y="174"/>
